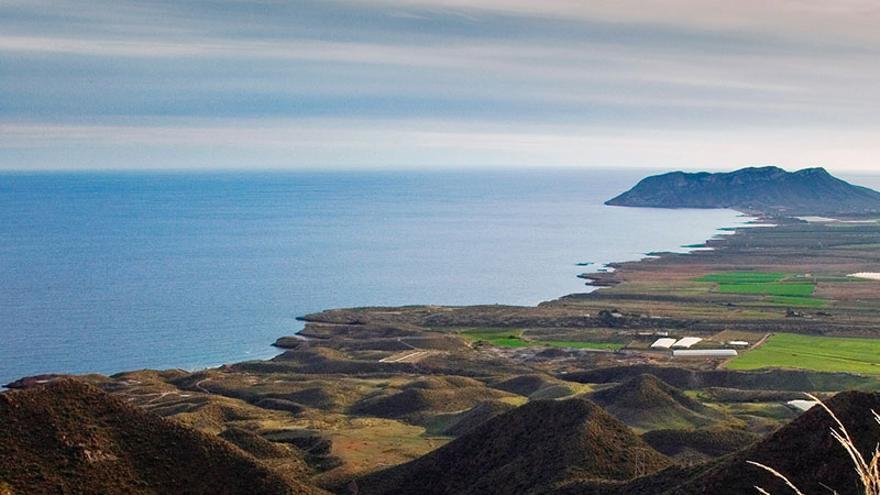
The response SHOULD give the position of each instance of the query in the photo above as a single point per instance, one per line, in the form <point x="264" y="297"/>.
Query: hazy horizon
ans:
<point x="842" y="173"/>
<point x="413" y="84"/>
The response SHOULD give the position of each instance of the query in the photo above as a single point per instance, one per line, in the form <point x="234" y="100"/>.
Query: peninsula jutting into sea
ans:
<point x="682" y="375"/>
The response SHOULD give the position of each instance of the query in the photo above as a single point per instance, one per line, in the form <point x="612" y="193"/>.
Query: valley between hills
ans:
<point x="573" y="396"/>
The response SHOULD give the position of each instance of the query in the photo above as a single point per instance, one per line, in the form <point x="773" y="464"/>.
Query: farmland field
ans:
<point x="514" y="338"/>
<point x="781" y="288"/>
<point x="573" y="344"/>
<point x="798" y="302"/>
<point x="771" y="289"/>
<point x="786" y="350"/>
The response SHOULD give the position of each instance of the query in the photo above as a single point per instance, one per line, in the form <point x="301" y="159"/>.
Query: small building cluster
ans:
<point x="682" y="347"/>
<point x="670" y="343"/>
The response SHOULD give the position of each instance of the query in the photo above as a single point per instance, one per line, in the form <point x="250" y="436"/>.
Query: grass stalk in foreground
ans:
<point x="867" y="470"/>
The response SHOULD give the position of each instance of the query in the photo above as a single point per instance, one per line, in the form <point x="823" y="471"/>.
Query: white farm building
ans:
<point x="664" y="343"/>
<point x="710" y="353"/>
<point x="686" y="343"/>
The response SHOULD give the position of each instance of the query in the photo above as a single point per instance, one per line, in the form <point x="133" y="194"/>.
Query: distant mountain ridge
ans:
<point x="811" y="191"/>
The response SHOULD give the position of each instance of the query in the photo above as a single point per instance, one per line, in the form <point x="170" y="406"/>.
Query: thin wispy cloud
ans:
<point x="355" y="83"/>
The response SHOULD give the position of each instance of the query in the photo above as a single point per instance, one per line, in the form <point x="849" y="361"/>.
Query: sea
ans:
<point x="112" y="271"/>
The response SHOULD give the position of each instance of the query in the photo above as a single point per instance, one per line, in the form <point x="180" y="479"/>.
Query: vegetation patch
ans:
<point x="770" y="289"/>
<point x="786" y="350"/>
<point x="514" y="338"/>
<point x="500" y="338"/>
<point x="781" y="289"/>
<point x="799" y="302"/>
<point x="577" y="344"/>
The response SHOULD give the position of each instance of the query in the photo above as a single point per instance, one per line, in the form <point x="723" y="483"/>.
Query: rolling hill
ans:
<point x="527" y="450"/>
<point x="647" y="403"/>
<point x="804" y="450"/>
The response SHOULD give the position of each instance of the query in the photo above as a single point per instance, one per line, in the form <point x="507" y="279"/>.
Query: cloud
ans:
<point x="232" y="143"/>
<point x="541" y="82"/>
<point x="854" y="20"/>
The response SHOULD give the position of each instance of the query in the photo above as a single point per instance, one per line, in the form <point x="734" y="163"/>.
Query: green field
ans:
<point x="798" y="302"/>
<point x="500" y="338"/>
<point x="577" y="344"/>
<point x="772" y="289"/>
<point x="786" y="350"/>
<point x="513" y="338"/>
<point x="781" y="288"/>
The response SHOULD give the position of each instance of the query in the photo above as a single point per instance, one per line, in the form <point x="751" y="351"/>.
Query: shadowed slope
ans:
<point x="527" y="450"/>
<point x="414" y="401"/>
<point x="803" y="450"/>
<point x="689" y="446"/>
<point x="475" y="416"/>
<point x="69" y="437"/>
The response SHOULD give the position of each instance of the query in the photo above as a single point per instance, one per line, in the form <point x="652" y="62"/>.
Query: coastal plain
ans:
<point x="362" y="390"/>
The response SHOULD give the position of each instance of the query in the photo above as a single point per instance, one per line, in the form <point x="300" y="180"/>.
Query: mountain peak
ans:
<point x="763" y="169"/>
<point x="765" y="190"/>
<point x="813" y="171"/>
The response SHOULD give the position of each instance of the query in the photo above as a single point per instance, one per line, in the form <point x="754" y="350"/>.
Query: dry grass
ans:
<point x="868" y="470"/>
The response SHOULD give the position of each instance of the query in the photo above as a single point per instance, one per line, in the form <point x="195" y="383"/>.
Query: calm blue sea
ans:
<point x="113" y="271"/>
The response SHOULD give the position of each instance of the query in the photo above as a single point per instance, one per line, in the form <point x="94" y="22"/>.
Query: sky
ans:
<point x="352" y="84"/>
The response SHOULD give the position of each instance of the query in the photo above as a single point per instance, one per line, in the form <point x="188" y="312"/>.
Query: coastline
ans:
<point x="381" y="386"/>
<point x="606" y="275"/>
<point x="614" y="274"/>
<point x="157" y="298"/>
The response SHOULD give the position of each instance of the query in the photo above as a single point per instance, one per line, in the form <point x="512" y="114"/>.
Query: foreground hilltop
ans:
<point x="528" y="450"/>
<point x="811" y="191"/>
<point x="70" y="437"/>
